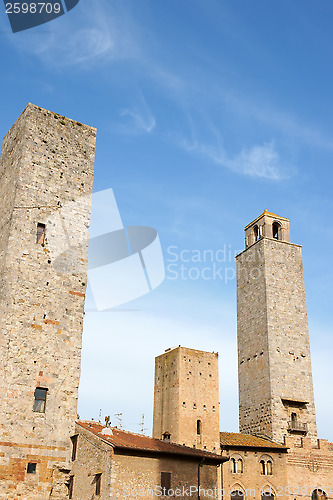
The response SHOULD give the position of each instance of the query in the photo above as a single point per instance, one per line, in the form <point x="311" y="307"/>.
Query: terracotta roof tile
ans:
<point x="230" y="439"/>
<point x="121" y="439"/>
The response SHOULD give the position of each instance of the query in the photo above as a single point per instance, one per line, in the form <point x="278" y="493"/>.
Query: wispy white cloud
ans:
<point x="258" y="161"/>
<point x="141" y="116"/>
<point x="262" y="161"/>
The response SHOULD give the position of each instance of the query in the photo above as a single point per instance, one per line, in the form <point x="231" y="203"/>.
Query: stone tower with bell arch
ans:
<point x="275" y="377"/>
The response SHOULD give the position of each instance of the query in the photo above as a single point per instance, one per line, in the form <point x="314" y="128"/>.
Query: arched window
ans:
<point x="276" y="230"/>
<point x="266" y="466"/>
<point x="236" y="465"/>
<point x="318" y="495"/>
<point x="237" y="495"/>
<point x="199" y="430"/>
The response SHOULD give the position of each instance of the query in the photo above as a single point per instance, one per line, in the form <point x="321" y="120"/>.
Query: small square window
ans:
<point x="31" y="469"/>
<point x="41" y="231"/>
<point x="40" y="400"/>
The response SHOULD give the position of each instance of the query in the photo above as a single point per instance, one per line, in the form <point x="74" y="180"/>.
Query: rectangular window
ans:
<point x="41" y="230"/>
<point x="165" y="482"/>
<point x="70" y="486"/>
<point x="98" y="482"/>
<point x="40" y="400"/>
<point x="31" y="469"/>
<point x="74" y="446"/>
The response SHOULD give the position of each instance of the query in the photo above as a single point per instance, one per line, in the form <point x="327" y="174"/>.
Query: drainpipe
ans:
<point x="199" y="465"/>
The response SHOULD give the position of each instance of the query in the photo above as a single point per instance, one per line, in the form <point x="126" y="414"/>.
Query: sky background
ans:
<point x="208" y="112"/>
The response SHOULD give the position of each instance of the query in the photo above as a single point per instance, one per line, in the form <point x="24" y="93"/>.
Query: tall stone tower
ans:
<point x="46" y="171"/>
<point x="186" y="398"/>
<point x="275" y="377"/>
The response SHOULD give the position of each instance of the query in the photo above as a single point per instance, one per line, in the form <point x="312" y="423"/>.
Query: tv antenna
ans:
<point x="119" y="417"/>
<point x="142" y="424"/>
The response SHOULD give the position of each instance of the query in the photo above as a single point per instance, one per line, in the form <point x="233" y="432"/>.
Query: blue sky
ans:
<point x="207" y="112"/>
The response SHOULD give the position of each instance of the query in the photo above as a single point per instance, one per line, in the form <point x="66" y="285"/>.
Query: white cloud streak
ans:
<point x="141" y="116"/>
<point x="262" y="161"/>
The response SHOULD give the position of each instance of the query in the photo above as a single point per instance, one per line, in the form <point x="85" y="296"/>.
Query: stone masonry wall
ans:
<point x="253" y="364"/>
<point x="186" y="390"/>
<point x="273" y="340"/>
<point x="309" y="467"/>
<point x="46" y="165"/>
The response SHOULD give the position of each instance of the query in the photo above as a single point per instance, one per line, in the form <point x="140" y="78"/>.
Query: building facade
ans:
<point x="109" y="463"/>
<point x="46" y="171"/>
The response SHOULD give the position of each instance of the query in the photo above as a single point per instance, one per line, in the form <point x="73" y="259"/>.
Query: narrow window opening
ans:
<point x="276" y="228"/>
<point x="70" y="487"/>
<point x="199" y="429"/>
<point x="262" y="467"/>
<point x="269" y="467"/>
<point x="41" y="231"/>
<point x="256" y="233"/>
<point x="98" y="483"/>
<point x="240" y="466"/>
<point x="74" y="446"/>
<point x="165" y="482"/>
<point x="233" y="466"/>
<point x="40" y="400"/>
<point x="31" y="468"/>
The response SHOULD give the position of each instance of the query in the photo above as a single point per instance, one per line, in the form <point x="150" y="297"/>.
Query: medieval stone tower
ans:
<point x="46" y="176"/>
<point x="186" y="398"/>
<point x="275" y="377"/>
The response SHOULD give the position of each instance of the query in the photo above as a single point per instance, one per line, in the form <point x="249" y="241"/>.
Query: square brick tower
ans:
<point x="186" y="398"/>
<point x="46" y="176"/>
<point x="275" y="377"/>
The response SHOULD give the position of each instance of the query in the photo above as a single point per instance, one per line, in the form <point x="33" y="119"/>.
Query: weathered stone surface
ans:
<point x="187" y="390"/>
<point x="275" y="377"/>
<point x="46" y="164"/>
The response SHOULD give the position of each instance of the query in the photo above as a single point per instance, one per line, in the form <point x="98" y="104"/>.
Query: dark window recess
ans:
<point x="74" y="446"/>
<point x="276" y="228"/>
<point x="267" y="496"/>
<point x="31" y="469"/>
<point x="98" y="482"/>
<point x="318" y="495"/>
<point x="70" y="486"/>
<point x="41" y="231"/>
<point x="256" y="233"/>
<point x="199" y="427"/>
<point x="165" y="482"/>
<point x="40" y="400"/>
<point x="236" y="495"/>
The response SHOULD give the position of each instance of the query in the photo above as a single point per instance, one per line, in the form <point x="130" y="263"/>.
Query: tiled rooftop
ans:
<point x="120" y="439"/>
<point x="230" y="439"/>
